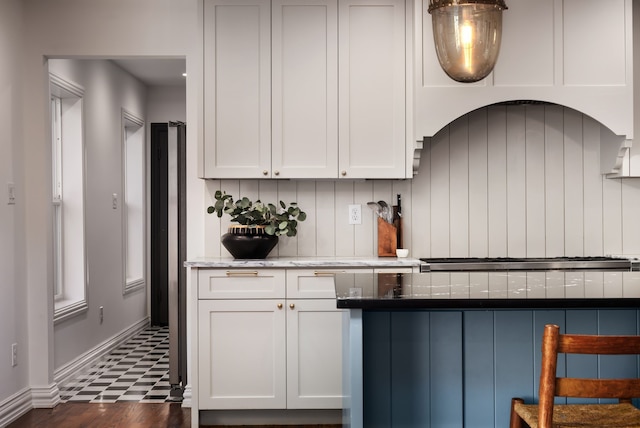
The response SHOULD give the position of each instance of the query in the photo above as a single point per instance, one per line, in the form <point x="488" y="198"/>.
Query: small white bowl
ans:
<point x="402" y="252"/>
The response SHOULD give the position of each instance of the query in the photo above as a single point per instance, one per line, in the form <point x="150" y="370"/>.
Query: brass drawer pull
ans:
<point x="292" y="305"/>
<point x="242" y="273"/>
<point x="327" y="272"/>
<point x="279" y="305"/>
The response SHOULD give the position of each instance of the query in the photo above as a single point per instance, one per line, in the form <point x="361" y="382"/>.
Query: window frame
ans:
<point x="69" y="249"/>
<point x="138" y="239"/>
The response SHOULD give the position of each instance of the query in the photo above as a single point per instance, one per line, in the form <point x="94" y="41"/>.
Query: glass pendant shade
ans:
<point x="467" y="35"/>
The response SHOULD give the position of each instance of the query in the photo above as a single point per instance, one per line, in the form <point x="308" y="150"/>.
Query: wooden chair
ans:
<point x="548" y="415"/>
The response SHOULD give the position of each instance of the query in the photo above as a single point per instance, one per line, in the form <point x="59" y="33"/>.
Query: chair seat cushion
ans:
<point x="584" y="415"/>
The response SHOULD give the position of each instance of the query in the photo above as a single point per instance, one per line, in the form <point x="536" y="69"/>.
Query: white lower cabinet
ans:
<point x="242" y="361"/>
<point x="261" y="351"/>
<point x="314" y="354"/>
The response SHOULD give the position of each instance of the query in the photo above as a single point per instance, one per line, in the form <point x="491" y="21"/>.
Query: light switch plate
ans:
<point x="11" y="194"/>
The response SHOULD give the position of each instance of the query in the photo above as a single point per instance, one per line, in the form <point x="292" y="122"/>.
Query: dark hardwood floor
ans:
<point x="116" y="415"/>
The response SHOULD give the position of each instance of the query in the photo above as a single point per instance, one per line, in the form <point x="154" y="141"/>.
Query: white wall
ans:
<point x="107" y="90"/>
<point x="168" y="103"/>
<point x="13" y="305"/>
<point x="76" y="28"/>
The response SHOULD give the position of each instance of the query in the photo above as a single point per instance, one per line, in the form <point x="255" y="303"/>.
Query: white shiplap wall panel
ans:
<point x="325" y="219"/>
<point x="478" y="190"/>
<point x="631" y="216"/>
<point x="459" y="186"/>
<point x="535" y="179"/>
<point x="440" y="172"/>
<point x="612" y="284"/>
<point x="612" y="216"/>
<point x="520" y="180"/>
<point x="536" y="284"/>
<point x="308" y="229"/>
<point x="212" y="225"/>
<point x="573" y="184"/>
<point x="287" y="193"/>
<point x="366" y="242"/>
<point x="417" y="224"/>
<point x="516" y="182"/>
<point x="575" y="285"/>
<point x="593" y="243"/>
<point x="593" y="285"/>
<point x="344" y="231"/>
<point x="554" y="179"/>
<point x="403" y="187"/>
<point x="497" y="181"/>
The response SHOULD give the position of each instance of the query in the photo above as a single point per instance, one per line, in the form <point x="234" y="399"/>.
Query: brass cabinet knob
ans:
<point x="265" y="172"/>
<point x="343" y="173"/>
<point x="291" y="305"/>
<point x="279" y="305"/>
<point x="276" y="172"/>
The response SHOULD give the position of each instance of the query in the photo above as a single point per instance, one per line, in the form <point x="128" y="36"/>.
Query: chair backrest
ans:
<point x="552" y="386"/>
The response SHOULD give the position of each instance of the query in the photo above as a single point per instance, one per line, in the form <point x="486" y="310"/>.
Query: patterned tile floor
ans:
<point x="136" y="371"/>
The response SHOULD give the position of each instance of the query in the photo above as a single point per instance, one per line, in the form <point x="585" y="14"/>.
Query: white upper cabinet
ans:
<point x="577" y="53"/>
<point x="372" y="88"/>
<point x="271" y="89"/>
<point x="305" y="89"/>
<point x="237" y="89"/>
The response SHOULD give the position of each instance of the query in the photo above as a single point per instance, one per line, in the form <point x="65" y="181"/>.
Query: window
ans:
<point x="134" y="213"/>
<point x="69" y="259"/>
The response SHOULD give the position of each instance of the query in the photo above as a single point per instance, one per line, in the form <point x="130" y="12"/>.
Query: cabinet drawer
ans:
<point x="241" y="284"/>
<point x="315" y="283"/>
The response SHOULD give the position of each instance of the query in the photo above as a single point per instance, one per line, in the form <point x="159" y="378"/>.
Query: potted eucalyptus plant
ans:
<point x="258" y="224"/>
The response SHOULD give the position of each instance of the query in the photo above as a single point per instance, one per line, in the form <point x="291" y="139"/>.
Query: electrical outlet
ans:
<point x="355" y="214"/>
<point x="14" y="354"/>
<point x="101" y="314"/>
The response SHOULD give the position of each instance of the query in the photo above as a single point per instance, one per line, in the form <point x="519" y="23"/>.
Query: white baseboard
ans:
<point x="45" y="397"/>
<point x="186" y="396"/>
<point x="15" y="406"/>
<point x="49" y="396"/>
<point x="75" y="367"/>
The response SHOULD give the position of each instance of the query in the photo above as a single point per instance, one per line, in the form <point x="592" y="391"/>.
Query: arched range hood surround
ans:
<point x="543" y="59"/>
<point x="614" y="149"/>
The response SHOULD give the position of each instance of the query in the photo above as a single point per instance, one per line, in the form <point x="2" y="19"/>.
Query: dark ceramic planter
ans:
<point x="248" y="242"/>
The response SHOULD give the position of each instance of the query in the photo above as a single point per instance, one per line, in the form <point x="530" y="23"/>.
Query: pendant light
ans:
<point x="467" y="36"/>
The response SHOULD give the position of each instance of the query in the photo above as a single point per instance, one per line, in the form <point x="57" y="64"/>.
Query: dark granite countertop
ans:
<point x="488" y="290"/>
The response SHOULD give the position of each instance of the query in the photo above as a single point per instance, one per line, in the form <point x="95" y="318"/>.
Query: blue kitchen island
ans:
<point x="451" y="349"/>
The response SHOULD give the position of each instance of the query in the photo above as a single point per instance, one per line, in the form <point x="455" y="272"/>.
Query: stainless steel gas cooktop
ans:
<point x="528" y="264"/>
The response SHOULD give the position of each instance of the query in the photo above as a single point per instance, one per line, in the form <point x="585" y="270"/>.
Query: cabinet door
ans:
<point x="304" y="89"/>
<point x="372" y="88"/>
<point x="242" y="358"/>
<point x="314" y="354"/>
<point x="237" y="89"/>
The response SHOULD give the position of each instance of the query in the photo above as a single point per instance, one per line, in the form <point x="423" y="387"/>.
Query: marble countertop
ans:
<point x="487" y="290"/>
<point x="304" y="262"/>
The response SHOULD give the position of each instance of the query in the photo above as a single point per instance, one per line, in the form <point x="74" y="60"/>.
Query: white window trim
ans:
<point x="66" y="307"/>
<point x="130" y="285"/>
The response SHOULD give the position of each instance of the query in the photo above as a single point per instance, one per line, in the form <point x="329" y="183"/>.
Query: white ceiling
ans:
<point x="155" y="71"/>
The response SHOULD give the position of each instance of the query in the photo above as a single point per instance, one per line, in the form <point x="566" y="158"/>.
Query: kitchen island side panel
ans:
<point x="461" y="367"/>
